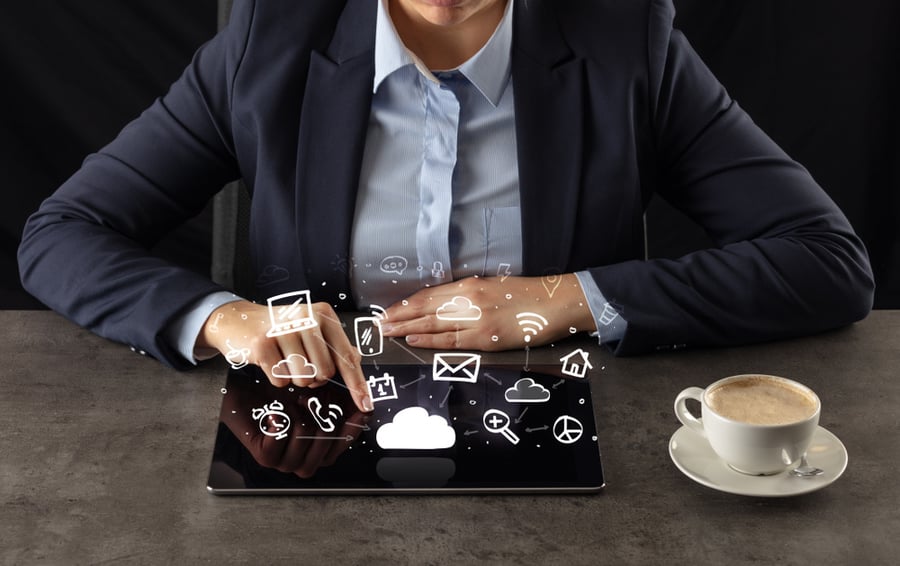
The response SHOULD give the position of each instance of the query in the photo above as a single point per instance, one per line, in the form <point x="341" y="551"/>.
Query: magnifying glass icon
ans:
<point x="497" y="421"/>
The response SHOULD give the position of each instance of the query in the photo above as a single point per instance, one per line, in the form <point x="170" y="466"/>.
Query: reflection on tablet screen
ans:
<point x="434" y="429"/>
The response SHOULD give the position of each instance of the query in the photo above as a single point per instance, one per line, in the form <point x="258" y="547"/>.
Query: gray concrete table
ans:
<point x="104" y="456"/>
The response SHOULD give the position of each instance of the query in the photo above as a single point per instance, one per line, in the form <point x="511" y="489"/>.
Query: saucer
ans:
<point x="694" y="456"/>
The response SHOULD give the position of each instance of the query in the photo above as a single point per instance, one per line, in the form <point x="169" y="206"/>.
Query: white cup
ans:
<point x="761" y="424"/>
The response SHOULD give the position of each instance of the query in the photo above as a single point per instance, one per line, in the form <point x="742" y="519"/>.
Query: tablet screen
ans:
<point x="448" y="427"/>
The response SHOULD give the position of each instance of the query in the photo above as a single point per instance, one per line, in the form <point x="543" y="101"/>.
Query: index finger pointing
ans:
<point x="347" y="359"/>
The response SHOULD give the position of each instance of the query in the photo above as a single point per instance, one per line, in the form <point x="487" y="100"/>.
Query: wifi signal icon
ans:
<point x="531" y="323"/>
<point x="378" y="312"/>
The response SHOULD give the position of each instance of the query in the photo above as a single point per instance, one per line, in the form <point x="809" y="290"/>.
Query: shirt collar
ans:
<point x="488" y="70"/>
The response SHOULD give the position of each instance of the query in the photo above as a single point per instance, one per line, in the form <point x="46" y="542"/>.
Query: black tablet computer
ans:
<point x="454" y="426"/>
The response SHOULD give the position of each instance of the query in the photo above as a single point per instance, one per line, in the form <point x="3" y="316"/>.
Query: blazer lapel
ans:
<point x="548" y="87"/>
<point x="330" y="150"/>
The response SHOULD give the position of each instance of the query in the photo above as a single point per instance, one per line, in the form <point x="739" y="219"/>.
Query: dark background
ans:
<point x="73" y="73"/>
<point x="822" y="77"/>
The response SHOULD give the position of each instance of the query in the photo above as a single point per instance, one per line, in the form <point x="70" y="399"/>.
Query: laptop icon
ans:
<point x="290" y="312"/>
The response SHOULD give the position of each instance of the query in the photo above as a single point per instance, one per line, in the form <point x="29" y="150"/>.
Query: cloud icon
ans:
<point x="527" y="391"/>
<point x="272" y="274"/>
<point x="303" y="369"/>
<point x="414" y="429"/>
<point x="460" y="308"/>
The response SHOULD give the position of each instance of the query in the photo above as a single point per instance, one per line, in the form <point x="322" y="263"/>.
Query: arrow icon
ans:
<point x="348" y="438"/>
<point x="545" y="427"/>
<point x="492" y="378"/>
<point x="558" y="383"/>
<point x="408" y="351"/>
<point x="522" y="415"/>
<point x="421" y="377"/>
<point x="447" y="396"/>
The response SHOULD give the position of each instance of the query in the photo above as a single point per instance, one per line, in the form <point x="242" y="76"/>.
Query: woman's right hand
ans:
<point x="305" y="358"/>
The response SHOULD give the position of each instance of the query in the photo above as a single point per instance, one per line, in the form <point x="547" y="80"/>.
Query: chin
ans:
<point x="447" y="13"/>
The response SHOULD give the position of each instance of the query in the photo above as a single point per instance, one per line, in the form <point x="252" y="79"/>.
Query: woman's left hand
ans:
<point x="491" y="313"/>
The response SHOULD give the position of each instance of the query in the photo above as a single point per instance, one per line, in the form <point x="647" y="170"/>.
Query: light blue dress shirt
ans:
<point x="439" y="186"/>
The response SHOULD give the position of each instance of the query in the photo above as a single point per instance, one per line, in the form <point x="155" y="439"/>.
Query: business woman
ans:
<point x="420" y="153"/>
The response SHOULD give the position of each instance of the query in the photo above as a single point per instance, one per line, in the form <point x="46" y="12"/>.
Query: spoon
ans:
<point x="804" y="470"/>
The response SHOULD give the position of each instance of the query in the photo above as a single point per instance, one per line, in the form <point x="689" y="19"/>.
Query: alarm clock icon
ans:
<point x="273" y="421"/>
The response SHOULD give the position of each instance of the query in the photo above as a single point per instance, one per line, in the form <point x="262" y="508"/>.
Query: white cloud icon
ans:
<point x="460" y="308"/>
<point x="526" y="390"/>
<point x="283" y="368"/>
<point x="414" y="429"/>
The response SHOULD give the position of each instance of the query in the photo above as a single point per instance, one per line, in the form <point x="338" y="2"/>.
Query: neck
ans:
<point x="445" y="46"/>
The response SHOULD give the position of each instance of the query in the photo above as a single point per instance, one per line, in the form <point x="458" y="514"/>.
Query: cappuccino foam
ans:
<point x="761" y="400"/>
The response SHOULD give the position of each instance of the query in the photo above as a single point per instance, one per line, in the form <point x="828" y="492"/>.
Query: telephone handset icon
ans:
<point x="326" y="423"/>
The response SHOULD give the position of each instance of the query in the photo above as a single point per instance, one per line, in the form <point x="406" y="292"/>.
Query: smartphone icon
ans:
<point x="369" y="340"/>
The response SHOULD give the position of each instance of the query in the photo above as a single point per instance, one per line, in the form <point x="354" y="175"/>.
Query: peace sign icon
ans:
<point x="567" y="429"/>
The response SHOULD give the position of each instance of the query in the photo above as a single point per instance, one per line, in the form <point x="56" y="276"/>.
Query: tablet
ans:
<point x="450" y="427"/>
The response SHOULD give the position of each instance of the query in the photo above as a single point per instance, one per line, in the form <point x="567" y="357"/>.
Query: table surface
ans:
<point x="104" y="457"/>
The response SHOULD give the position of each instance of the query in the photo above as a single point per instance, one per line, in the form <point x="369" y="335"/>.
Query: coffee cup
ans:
<point x="757" y="424"/>
<point x="237" y="357"/>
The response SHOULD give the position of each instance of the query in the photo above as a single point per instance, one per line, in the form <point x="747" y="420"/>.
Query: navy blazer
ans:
<point x="612" y="105"/>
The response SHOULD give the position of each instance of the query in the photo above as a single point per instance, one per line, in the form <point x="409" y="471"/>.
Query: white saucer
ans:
<point x="693" y="456"/>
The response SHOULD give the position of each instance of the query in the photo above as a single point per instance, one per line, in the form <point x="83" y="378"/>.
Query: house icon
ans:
<point x="576" y="364"/>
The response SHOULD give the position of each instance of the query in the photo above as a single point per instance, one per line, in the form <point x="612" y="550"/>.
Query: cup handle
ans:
<point x="685" y="416"/>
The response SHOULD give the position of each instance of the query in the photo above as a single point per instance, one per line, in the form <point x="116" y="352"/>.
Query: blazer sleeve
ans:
<point x="84" y="253"/>
<point x="786" y="262"/>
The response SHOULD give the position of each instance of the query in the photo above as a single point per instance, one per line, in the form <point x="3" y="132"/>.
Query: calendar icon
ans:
<point x="382" y="388"/>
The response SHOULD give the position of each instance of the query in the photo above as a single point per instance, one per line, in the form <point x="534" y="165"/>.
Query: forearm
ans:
<point x="745" y="292"/>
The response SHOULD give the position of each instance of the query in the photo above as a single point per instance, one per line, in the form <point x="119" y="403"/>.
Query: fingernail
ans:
<point x="367" y="404"/>
<point x="412" y="339"/>
<point x="387" y="327"/>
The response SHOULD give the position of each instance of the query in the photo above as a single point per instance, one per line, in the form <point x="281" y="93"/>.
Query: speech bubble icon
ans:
<point x="394" y="264"/>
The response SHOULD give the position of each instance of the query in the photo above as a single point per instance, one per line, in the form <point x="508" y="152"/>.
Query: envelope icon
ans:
<point x="456" y="367"/>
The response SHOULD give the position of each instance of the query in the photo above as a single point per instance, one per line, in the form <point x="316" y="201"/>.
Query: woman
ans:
<point x="423" y="153"/>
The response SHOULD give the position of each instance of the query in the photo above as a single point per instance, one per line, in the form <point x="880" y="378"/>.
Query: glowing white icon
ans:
<point x="526" y="390"/>
<point x="576" y="364"/>
<point x="458" y="308"/>
<point x="394" y="264"/>
<point x="531" y="323"/>
<point x="369" y="340"/>
<point x="294" y="316"/>
<point x="341" y="264"/>
<point x="237" y="357"/>
<point x="378" y="312"/>
<point x="295" y="366"/>
<point x="382" y="388"/>
<point x="272" y="274"/>
<point x="453" y="366"/>
<point x="504" y="271"/>
<point x="327" y="421"/>
<point x="551" y="283"/>
<point x="608" y="315"/>
<point x="214" y="327"/>
<point x="273" y="421"/>
<point x="438" y="270"/>
<point x="497" y="422"/>
<point x="567" y="430"/>
<point x="414" y="429"/>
